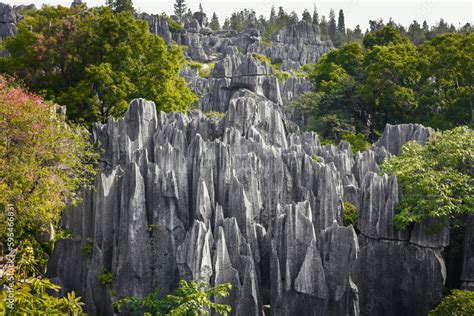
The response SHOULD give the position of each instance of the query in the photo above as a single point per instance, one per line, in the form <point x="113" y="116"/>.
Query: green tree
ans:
<point x="95" y="61"/>
<point x="307" y="17"/>
<point x="458" y="303"/>
<point x="43" y="162"/>
<point x="190" y="298"/>
<point x="180" y="8"/>
<point x="436" y="179"/>
<point x="214" y="24"/>
<point x="34" y="292"/>
<point x="383" y="37"/>
<point x="121" y="5"/>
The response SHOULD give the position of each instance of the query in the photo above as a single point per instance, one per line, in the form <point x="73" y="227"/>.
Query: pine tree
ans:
<point x="272" y="14"/>
<point x="214" y="25"/>
<point x="306" y="16"/>
<point x="332" y="25"/>
<point x="180" y="8"/>
<point x="200" y="8"/>
<point x="341" y="26"/>
<point x="315" y="16"/>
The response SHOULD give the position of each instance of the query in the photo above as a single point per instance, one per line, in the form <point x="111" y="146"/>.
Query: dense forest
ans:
<point x="94" y="61"/>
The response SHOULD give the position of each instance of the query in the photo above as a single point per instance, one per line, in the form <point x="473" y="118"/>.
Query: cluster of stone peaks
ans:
<point x="240" y="199"/>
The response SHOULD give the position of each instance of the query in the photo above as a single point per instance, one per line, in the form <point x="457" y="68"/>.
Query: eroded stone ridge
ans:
<point x="240" y="200"/>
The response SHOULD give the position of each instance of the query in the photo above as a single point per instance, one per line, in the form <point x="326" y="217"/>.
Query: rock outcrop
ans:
<point x="240" y="200"/>
<point x="9" y="18"/>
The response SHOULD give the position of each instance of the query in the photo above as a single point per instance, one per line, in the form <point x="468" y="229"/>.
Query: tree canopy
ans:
<point x="95" y="61"/>
<point x="390" y="80"/>
<point x="436" y="179"/>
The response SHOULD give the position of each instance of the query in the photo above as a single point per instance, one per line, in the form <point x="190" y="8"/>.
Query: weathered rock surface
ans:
<point x="9" y="18"/>
<point x="240" y="200"/>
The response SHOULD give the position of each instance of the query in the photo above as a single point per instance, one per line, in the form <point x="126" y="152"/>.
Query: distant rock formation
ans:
<point x="240" y="200"/>
<point x="9" y="18"/>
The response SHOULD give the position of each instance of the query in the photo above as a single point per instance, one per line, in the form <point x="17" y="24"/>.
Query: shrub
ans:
<point x="173" y="25"/>
<point x="87" y="250"/>
<point x="105" y="277"/>
<point x="458" y="303"/>
<point x="358" y="142"/>
<point x="351" y="214"/>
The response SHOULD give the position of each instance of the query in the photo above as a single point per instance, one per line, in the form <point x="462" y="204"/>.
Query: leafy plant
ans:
<point x="105" y="277"/>
<point x="43" y="161"/>
<point x="33" y="292"/>
<point x="458" y="303"/>
<point x="358" y="142"/>
<point x="190" y="298"/>
<point x="281" y="75"/>
<point x="316" y="158"/>
<point x="436" y="179"/>
<point x="206" y="70"/>
<point x="95" y="61"/>
<point x="351" y="214"/>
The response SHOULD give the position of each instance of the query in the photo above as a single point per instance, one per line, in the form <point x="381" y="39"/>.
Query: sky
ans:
<point x="357" y="12"/>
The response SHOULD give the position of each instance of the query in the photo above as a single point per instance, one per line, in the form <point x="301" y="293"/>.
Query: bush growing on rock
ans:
<point x="458" y="303"/>
<point x="436" y="179"/>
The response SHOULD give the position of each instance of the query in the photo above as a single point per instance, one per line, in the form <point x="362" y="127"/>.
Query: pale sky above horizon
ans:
<point x="457" y="12"/>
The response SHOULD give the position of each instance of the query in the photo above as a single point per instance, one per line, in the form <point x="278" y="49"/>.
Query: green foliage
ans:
<point x="390" y="80"/>
<point x="180" y="8"/>
<point x="206" y="70"/>
<point x="172" y="24"/>
<point x="95" y="61"/>
<point x="358" y="142"/>
<point x="351" y="214"/>
<point x="121" y="5"/>
<point x="383" y="37"/>
<point x="436" y="179"/>
<point x="195" y="65"/>
<point x="214" y="24"/>
<point x="150" y="228"/>
<point x="189" y="299"/>
<point x="316" y="158"/>
<point x="458" y="303"/>
<point x="281" y="75"/>
<point x="105" y="277"/>
<point x="87" y="250"/>
<point x="43" y="162"/>
<point x="218" y="115"/>
<point x="33" y="291"/>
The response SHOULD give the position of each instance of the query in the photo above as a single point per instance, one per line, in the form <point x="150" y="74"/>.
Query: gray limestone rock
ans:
<point x="239" y="199"/>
